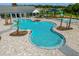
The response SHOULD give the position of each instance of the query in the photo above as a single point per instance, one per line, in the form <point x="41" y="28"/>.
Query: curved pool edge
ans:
<point x="61" y="35"/>
<point x="62" y="42"/>
<point x="53" y="30"/>
<point x="42" y="47"/>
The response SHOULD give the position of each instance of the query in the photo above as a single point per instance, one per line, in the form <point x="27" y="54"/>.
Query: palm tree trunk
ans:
<point x="0" y="37"/>
<point x="17" y="27"/>
<point x="69" y="23"/>
<point x="66" y="25"/>
<point x="10" y="20"/>
<point x="6" y="19"/>
<point x="17" y="30"/>
<point x="61" y="22"/>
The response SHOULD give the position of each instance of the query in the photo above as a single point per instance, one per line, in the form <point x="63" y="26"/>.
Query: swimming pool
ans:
<point x="66" y="20"/>
<point x="42" y="36"/>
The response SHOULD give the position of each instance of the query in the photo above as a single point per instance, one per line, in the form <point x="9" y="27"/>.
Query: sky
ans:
<point x="63" y="4"/>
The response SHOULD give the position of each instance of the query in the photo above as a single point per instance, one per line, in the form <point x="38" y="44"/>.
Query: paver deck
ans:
<point x="22" y="46"/>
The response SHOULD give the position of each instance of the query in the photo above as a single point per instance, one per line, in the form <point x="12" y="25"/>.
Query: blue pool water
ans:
<point x="42" y="36"/>
<point x="66" y="20"/>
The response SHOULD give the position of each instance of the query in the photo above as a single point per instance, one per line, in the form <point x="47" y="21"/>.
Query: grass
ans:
<point x="66" y="15"/>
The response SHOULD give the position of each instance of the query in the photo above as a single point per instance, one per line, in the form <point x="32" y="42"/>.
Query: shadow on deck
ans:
<point x="68" y="51"/>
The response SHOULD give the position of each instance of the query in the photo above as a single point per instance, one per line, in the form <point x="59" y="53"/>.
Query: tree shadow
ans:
<point x="68" y="51"/>
<point x="6" y="30"/>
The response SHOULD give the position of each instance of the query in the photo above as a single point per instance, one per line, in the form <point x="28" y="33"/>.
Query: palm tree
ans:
<point x="17" y="25"/>
<point x="10" y="21"/>
<point x="6" y="19"/>
<point x="14" y="5"/>
<point x="62" y="14"/>
<point x="69" y="23"/>
<point x="61" y="22"/>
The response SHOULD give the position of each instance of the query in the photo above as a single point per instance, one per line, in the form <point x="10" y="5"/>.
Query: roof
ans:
<point x="36" y="11"/>
<point x="17" y="9"/>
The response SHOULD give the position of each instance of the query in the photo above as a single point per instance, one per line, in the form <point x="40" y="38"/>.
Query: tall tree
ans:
<point x="62" y="15"/>
<point x="17" y="25"/>
<point x="69" y="22"/>
<point x="73" y="9"/>
<point x="6" y="19"/>
<point x="61" y="22"/>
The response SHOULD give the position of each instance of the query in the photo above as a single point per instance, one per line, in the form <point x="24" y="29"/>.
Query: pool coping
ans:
<point x="41" y="47"/>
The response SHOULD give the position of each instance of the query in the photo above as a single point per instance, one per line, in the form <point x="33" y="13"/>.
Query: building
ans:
<point x="21" y="10"/>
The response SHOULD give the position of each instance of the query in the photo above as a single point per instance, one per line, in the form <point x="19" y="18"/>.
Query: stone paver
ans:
<point x="22" y="46"/>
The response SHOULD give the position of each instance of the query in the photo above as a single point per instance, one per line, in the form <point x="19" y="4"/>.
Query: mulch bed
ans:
<point x="20" y="33"/>
<point x="63" y="28"/>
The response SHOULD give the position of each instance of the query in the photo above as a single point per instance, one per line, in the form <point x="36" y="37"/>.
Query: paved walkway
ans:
<point x="22" y="46"/>
<point x="4" y="31"/>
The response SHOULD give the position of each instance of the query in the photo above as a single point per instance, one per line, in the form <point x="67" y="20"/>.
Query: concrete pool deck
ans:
<point x="21" y="46"/>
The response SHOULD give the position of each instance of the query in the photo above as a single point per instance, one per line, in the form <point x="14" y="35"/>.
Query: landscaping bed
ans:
<point x="20" y="33"/>
<point x="62" y="28"/>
